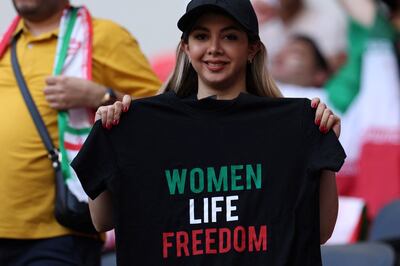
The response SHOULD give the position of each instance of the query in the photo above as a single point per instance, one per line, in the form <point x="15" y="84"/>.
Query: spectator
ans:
<point x="281" y="19"/>
<point x="29" y="233"/>
<point x="300" y="62"/>
<point x="367" y="21"/>
<point x="366" y="91"/>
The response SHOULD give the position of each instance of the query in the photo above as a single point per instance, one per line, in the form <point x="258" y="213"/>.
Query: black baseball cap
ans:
<point x="240" y="10"/>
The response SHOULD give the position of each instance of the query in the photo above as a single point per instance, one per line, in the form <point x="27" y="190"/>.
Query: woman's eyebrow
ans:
<point x="233" y="27"/>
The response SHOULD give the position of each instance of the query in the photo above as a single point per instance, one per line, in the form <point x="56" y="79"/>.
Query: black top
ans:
<point x="212" y="182"/>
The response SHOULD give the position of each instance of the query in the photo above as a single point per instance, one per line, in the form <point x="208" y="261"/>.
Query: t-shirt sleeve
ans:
<point x="95" y="164"/>
<point x="119" y="62"/>
<point x="325" y="150"/>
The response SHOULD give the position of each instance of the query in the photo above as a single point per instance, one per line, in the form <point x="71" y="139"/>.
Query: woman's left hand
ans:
<point x="325" y="118"/>
<point x="111" y="114"/>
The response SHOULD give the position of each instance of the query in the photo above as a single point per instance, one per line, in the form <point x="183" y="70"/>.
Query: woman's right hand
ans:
<point x="111" y="114"/>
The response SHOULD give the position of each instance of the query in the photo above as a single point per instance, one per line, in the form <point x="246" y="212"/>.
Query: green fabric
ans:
<point x="63" y="115"/>
<point x="345" y="84"/>
<point x="65" y="41"/>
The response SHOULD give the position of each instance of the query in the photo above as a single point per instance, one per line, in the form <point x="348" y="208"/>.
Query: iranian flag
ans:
<point x="371" y="130"/>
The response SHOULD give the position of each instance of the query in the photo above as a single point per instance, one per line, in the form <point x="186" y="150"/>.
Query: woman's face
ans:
<point x="219" y="51"/>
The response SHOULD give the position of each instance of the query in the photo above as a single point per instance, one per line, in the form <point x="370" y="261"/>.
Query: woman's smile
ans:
<point x="215" y="66"/>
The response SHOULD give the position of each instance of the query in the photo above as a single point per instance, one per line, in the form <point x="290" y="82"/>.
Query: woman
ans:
<point x="239" y="176"/>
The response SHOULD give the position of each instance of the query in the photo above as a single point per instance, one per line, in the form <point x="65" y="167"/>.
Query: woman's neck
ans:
<point x="225" y="93"/>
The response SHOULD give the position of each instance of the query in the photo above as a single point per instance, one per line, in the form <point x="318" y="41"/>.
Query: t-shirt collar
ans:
<point x="22" y="27"/>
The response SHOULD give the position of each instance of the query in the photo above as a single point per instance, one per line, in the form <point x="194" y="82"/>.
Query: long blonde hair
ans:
<point x="183" y="80"/>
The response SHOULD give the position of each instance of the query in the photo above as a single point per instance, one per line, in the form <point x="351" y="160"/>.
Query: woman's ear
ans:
<point x="253" y="49"/>
<point x="185" y="48"/>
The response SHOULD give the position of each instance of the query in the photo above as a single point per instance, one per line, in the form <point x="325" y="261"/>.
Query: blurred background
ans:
<point x="152" y="22"/>
<point x="344" y="51"/>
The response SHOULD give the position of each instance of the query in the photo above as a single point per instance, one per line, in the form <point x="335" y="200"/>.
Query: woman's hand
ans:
<point x="325" y="118"/>
<point x="111" y="114"/>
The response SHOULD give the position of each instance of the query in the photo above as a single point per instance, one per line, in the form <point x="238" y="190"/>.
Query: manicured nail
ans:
<point x="125" y="109"/>
<point x="313" y="105"/>
<point x="318" y="122"/>
<point x="323" y="129"/>
<point x="115" y="122"/>
<point x="108" y="126"/>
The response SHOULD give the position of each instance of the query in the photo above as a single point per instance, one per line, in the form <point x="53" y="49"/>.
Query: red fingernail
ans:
<point x="115" y="122"/>
<point x="323" y="129"/>
<point x="125" y="109"/>
<point x="313" y="105"/>
<point x="108" y="126"/>
<point x="318" y="122"/>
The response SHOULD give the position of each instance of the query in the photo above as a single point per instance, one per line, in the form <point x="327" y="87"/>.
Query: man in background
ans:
<point x="29" y="233"/>
<point x="300" y="62"/>
<point x="323" y="21"/>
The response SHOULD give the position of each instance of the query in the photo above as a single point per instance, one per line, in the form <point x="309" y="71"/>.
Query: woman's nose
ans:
<point x="215" y="47"/>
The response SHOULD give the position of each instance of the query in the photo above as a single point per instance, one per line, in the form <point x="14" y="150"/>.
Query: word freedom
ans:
<point x="214" y="241"/>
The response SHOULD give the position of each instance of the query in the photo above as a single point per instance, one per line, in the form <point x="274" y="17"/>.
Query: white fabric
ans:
<point x="349" y="218"/>
<point x="76" y="65"/>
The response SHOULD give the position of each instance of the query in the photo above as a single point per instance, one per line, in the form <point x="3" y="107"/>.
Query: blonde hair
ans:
<point x="183" y="80"/>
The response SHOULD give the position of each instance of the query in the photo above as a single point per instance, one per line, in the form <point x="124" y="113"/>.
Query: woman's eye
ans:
<point x="200" y="36"/>
<point x="231" y="37"/>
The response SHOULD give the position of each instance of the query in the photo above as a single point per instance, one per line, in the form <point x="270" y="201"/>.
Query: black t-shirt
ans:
<point x="212" y="182"/>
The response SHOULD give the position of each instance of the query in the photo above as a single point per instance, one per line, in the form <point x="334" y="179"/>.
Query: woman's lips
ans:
<point x="215" y="66"/>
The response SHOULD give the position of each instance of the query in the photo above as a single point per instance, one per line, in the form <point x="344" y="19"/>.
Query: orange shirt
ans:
<point x="26" y="176"/>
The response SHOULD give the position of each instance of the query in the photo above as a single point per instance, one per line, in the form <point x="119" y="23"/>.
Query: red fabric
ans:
<point x="379" y="175"/>
<point x="89" y="60"/>
<point x="346" y="184"/>
<point x="4" y="42"/>
<point x="378" y="179"/>
<point x="163" y="65"/>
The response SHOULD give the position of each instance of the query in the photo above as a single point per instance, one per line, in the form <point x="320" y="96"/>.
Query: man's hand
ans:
<point x="70" y="92"/>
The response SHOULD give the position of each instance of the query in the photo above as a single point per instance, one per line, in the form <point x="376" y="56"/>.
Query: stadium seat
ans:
<point x="108" y="259"/>
<point x="363" y="254"/>
<point x="386" y="224"/>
